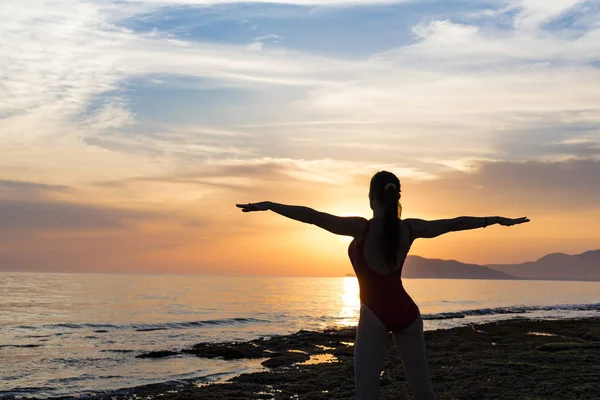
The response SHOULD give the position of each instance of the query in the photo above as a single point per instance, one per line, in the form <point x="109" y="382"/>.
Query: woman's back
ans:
<point x="372" y="244"/>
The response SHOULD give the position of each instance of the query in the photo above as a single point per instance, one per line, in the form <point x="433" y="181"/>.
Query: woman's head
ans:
<point x="384" y="194"/>
<point x="384" y="191"/>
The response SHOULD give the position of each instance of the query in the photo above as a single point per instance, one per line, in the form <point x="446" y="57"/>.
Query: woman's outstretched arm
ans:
<point x="431" y="229"/>
<point x="347" y="226"/>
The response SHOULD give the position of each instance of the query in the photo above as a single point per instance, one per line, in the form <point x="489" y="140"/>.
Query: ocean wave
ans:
<point x="511" y="310"/>
<point x="83" y="377"/>
<point x="144" y="327"/>
<point x="196" y="324"/>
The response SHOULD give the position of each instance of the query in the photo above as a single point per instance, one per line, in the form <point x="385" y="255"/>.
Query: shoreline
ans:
<point x="470" y="278"/>
<point x="511" y="359"/>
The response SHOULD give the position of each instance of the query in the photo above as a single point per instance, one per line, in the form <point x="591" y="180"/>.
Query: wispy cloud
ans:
<point x="534" y="13"/>
<point x="56" y="216"/>
<point x="32" y="186"/>
<point x="534" y="186"/>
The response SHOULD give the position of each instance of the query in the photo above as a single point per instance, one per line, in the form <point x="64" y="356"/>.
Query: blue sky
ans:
<point x="353" y="31"/>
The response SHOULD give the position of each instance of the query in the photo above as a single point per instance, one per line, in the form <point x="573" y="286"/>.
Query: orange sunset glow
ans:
<point x="189" y="226"/>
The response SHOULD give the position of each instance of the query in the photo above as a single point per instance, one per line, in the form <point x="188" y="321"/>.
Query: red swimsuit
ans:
<point x="383" y="294"/>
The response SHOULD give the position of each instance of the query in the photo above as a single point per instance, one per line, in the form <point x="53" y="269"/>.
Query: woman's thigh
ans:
<point x="370" y="349"/>
<point x="411" y="346"/>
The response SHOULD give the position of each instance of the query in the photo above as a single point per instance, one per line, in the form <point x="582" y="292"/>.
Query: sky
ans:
<point x="129" y="129"/>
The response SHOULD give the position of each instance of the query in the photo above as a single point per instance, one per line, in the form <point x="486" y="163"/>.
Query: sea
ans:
<point x="79" y="334"/>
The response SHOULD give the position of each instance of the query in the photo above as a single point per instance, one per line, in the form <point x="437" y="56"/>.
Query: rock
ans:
<point x="227" y="351"/>
<point x="157" y="354"/>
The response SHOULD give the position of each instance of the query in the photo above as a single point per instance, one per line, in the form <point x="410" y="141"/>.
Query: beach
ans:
<point x="512" y="359"/>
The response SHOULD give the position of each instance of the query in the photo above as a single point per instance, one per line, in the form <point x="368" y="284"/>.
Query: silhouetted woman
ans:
<point x="377" y="254"/>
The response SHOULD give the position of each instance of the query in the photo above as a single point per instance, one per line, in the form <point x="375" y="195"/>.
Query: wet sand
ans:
<point x="516" y="359"/>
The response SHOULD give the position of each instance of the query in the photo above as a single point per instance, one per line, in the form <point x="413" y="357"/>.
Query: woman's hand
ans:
<point x="511" y="221"/>
<point x="248" y="207"/>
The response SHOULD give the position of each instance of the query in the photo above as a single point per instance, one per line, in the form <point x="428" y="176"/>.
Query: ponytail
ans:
<point x="385" y="189"/>
<point x="391" y="231"/>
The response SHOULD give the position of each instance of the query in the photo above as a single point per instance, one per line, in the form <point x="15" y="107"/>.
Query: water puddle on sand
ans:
<point x="320" y="359"/>
<point x="320" y="346"/>
<point x="235" y="368"/>
<point x="541" y="334"/>
<point x="269" y="392"/>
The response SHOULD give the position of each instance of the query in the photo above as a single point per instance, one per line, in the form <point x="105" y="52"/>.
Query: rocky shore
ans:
<point x="515" y="359"/>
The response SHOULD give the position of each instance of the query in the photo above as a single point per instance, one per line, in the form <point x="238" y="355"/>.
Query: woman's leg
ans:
<point x="370" y="349"/>
<point x="411" y="346"/>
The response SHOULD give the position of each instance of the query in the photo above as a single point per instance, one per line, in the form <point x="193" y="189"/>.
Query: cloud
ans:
<point x="255" y="46"/>
<point x="181" y="146"/>
<point x="534" y="13"/>
<point x="561" y="183"/>
<point x="551" y="138"/>
<point x="54" y="216"/>
<point x="254" y="175"/>
<point x="19" y="190"/>
<point x="109" y="117"/>
<point x="56" y="55"/>
<point x="32" y="186"/>
<point x="273" y="37"/>
<point x="258" y="43"/>
<point x="454" y="43"/>
<point x="555" y="187"/>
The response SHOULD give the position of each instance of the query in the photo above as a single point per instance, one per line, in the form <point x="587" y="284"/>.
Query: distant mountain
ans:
<point x="424" y="268"/>
<point x="556" y="266"/>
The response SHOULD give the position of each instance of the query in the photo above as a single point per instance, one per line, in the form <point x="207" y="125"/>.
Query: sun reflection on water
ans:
<point x="350" y="309"/>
